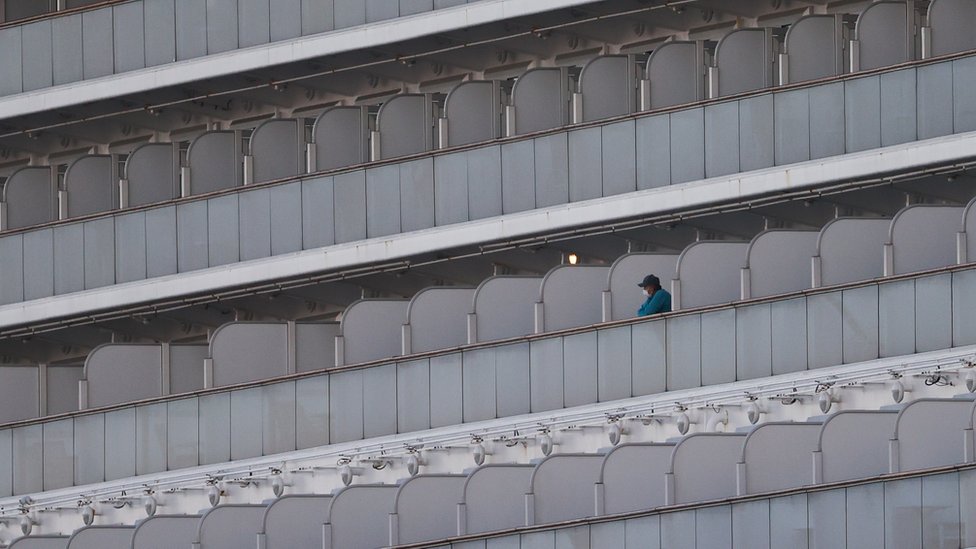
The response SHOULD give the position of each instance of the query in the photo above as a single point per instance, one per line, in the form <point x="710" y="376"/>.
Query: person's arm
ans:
<point x="644" y="308"/>
<point x="659" y="303"/>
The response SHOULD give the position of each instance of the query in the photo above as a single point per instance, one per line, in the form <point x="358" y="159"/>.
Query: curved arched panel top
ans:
<point x="473" y="112"/>
<point x="437" y="318"/>
<point x="608" y="85"/>
<point x="562" y="485"/>
<point x="704" y="466"/>
<point x="924" y="237"/>
<point x="214" y="161"/>
<point x="504" y="306"/>
<point x="90" y="186"/>
<point x="628" y="271"/>
<point x="854" y="444"/>
<point x="295" y="520"/>
<point x="40" y="542"/>
<point x="632" y="475"/>
<point x="815" y="46"/>
<point x="248" y="351"/>
<point x="423" y="505"/>
<point x="573" y="296"/>
<point x="101" y="537"/>
<point x="744" y="58"/>
<point x="31" y="196"/>
<point x="405" y="125"/>
<point x="777" y="455"/>
<point x="885" y="32"/>
<point x="676" y="71"/>
<point x="851" y="249"/>
<point x="276" y="146"/>
<point x="165" y="532"/>
<point x="494" y="497"/>
<point x="153" y="174"/>
<point x="359" y="515"/>
<point x="541" y="100"/>
<point x="341" y="137"/>
<point x="952" y="23"/>
<point x="231" y="525"/>
<point x="123" y="372"/>
<point x="372" y="329"/>
<point x="710" y="272"/>
<point x="779" y="261"/>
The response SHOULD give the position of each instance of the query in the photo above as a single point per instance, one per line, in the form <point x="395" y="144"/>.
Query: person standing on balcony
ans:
<point x="658" y="299"/>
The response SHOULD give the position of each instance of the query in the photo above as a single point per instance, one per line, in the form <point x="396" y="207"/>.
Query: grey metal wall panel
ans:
<point x="285" y="19"/>
<point x="437" y="318"/>
<point x="89" y="449"/>
<point x="478" y="385"/>
<point x="608" y="87"/>
<point x="182" y="433"/>
<point x="756" y="141"/>
<point x="186" y="367"/>
<point x="69" y="258"/>
<point x="546" y="375"/>
<point x="624" y="491"/>
<point x="12" y="269"/>
<point x="120" y="444"/>
<point x="472" y="109"/>
<point x="896" y="318"/>
<point x="777" y="456"/>
<point x="381" y="10"/>
<point x="350" y="206"/>
<point x="99" y="253"/>
<point x="860" y="308"/>
<point x="349" y="13"/>
<point x="150" y="439"/>
<point x="312" y="416"/>
<point x="750" y="525"/>
<point x="743" y="58"/>
<point x="713" y="526"/>
<point x="485" y="182"/>
<point x="222" y="27"/>
<point x="37" y="262"/>
<point x="382" y="213"/>
<point x="540" y="97"/>
<point x="317" y="225"/>
<point x="580" y="369"/>
<point x="97" y="537"/>
<point x="826" y="512"/>
<point x="120" y="373"/>
<point x="214" y="428"/>
<point x="248" y="351"/>
<point x="687" y="145"/>
<point x="703" y="465"/>
<point x="963" y="80"/>
<point x="493" y="497"/>
<point x="779" y="261"/>
<point x="404" y="123"/>
<point x="278" y="406"/>
<point x="788" y="521"/>
<point x="791" y="115"/>
<point x="709" y="272"/>
<point x="933" y="310"/>
<point x="441" y="4"/>
<point x="372" y="329"/>
<point x="585" y="164"/>
<point x="614" y="364"/>
<point x="62" y="388"/>
<point x="356" y="512"/>
<point x="97" y="42"/>
<point x="512" y="380"/>
<point x="884" y="33"/>
<point x="413" y="395"/>
<point x="941" y="519"/>
<point x="254" y="22"/>
<point x="862" y="104"/>
<point x="11" y="64"/>
<point x="922" y="237"/>
<point x="505" y="306"/>
<point x="58" y="444"/>
<point x="649" y="357"/>
<point x="451" y="188"/>
<point x="445" y="390"/>
<point x="6" y="465"/>
<point x="31" y="197"/>
<point x="935" y="100"/>
<point x="572" y="296"/>
<point x="245" y="423"/>
<point x="255" y="220"/>
<point x="90" y="186"/>
<point x="675" y="71"/>
<point x="963" y="301"/>
<point x="129" y="36"/>
<point x="67" y="49"/>
<point x="898" y="113"/>
<point x="684" y="352"/>
<point x="160" y="32"/>
<point x="619" y="158"/>
<point x="293" y="521"/>
<point x="161" y="249"/>
<point x="340" y="137"/>
<point x="161" y="532"/>
<point x="417" y="195"/>
<point x="826" y="120"/>
<point x="951" y="22"/>
<point x="277" y="150"/>
<point x="422" y="504"/>
<point x="286" y="218"/>
<point x="379" y="401"/>
<point x="825" y="334"/>
<point x="551" y="170"/>
<point x="854" y="444"/>
<point x="318" y="16"/>
<point x="21" y="392"/>
<point x="41" y="542"/>
<point x="410" y="7"/>
<point x="152" y="174"/>
<point x="627" y="271"/>
<point x="214" y="162"/>
<point x="562" y="486"/>
<point x="28" y="471"/>
<point x="518" y="181"/>
<point x="653" y="151"/>
<point x="315" y="345"/>
<point x="852" y="249"/>
<point x="753" y="342"/>
<point x="722" y="139"/>
<point x="192" y="236"/>
<point x="718" y="347"/>
<point x="38" y="70"/>
<point x="903" y="499"/>
<point x="230" y="526"/>
<point x="814" y="47"/>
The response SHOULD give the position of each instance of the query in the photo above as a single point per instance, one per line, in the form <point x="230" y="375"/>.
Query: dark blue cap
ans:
<point x="650" y="280"/>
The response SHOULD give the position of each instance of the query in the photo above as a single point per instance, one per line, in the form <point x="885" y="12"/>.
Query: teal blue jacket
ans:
<point x="659" y="302"/>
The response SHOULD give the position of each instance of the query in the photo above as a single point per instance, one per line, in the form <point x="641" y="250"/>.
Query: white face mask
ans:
<point x="645" y="292"/>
